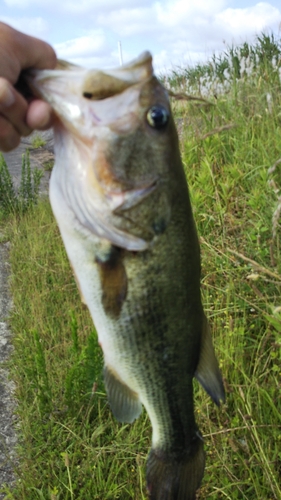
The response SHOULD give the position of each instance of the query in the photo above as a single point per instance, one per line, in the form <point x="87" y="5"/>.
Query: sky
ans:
<point x="178" y="33"/>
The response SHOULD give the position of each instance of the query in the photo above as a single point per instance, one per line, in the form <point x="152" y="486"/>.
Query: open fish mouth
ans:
<point x="75" y="93"/>
<point x="95" y="111"/>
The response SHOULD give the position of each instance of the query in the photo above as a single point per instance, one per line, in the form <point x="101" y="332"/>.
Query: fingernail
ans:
<point x="7" y="96"/>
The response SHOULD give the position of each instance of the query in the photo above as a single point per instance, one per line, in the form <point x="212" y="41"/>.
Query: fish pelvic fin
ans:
<point x="125" y="404"/>
<point x="171" y="478"/>
<point x="207" y="371"/>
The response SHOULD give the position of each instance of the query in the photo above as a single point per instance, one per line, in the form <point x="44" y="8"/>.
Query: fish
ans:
<point x="120" y="196"/>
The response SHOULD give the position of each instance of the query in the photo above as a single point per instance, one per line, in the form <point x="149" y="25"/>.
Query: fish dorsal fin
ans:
<point x="124" y="402"/>
<point x="207" y="371"/>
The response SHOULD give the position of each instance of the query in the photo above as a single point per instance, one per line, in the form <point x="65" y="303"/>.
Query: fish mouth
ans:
<point x="78" y="95"/>
<point x="100" y="85"/>
<point x="94" y="110"/>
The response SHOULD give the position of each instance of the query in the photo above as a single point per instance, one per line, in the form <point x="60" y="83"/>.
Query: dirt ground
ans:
<point x="7" y="402"/>
<point x="8" y="435"/>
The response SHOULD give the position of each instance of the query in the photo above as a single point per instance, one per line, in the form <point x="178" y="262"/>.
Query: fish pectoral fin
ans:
<point x="207" y="371"/>
<point x="124" y="402"/>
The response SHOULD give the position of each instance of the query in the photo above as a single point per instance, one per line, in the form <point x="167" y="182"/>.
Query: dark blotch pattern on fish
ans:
<point x="159" y="226"/>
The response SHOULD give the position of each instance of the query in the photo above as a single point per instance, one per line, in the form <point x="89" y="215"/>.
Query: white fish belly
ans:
<point x="81" y="247"/>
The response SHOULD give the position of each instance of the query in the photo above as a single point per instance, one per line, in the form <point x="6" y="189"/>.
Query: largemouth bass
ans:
<point x="120" y="197"/>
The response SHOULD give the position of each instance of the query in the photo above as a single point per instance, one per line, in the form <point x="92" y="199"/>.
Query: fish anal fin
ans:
<point x="207" y="371"/>
<point x="172" y="477"/>
<point x="113" y="279"/>
<point x="124" y="402"/>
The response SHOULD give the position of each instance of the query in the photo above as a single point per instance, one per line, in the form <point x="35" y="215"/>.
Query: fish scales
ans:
<point x="120" y="197"/>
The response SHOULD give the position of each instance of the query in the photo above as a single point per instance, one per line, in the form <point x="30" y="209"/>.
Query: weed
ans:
<point x="27" y="195"/>
<point x="248" y="63"/>
<point x="37" y="141"/>
<point x="85" y="369"/>
<point x="48" y="165"/>
<point x="30" y="183"/>
<point x="8" y="198"/>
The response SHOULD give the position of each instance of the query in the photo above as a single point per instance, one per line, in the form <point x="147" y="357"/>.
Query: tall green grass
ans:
<point x="18" y="202"/>
<point x="70" y="445"/>
<point x="237" y="64"/>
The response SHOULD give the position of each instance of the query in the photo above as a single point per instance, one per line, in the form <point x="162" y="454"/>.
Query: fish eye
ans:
<point x="157" y="117"/>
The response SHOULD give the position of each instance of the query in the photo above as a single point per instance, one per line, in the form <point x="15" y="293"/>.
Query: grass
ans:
<point x="27" y="194"/>
<point x="48" y="165"/>
<point x="37" y="141"/>
<point x="70" y="445"/>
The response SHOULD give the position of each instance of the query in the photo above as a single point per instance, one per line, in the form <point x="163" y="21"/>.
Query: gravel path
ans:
<point x="8" y="436"/>
<point x="7" y="403"/>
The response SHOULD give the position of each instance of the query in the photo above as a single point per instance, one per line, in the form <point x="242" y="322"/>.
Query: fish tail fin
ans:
<point x="172" y="478"/>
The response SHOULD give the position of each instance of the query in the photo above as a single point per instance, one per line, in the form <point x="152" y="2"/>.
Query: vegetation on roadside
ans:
<point x="237" y="64"/>
<point x="48" y="165"/>
<point x="12" y="201"/>
<point x="71" y="448"/>
<point x="37" y="141"/>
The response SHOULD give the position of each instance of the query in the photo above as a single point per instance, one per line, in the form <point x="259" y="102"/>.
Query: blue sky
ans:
<point x="177" y="32"/>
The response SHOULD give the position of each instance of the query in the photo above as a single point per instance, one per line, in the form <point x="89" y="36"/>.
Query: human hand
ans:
<point x="18" y="117"/>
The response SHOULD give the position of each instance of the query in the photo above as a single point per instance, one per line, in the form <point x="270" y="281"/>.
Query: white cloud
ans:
<point x="91" y="51"/>
<point x="76" y="6"/>
<point x="96" y="6"/>
<point x="175" y="13"/>
<point x="17" y="3"/>
<point x="130" y="22"/>
<point x="34" y="26"/>
<point x="177" y="32"/>
<point x="196" y="37"/>
<point x="240" y="22"/>
<point x="196" y="24"/>
<point x="82" y="46"/>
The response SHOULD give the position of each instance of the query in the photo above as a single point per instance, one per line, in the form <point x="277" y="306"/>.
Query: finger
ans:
<point x="7" y="95"/>
<point x="35" y="53"/>
<point x="22" y="51"/>
<point x="39" y="115"/>
<point x="13" y="107"/>
<point x="9" y="137"/>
